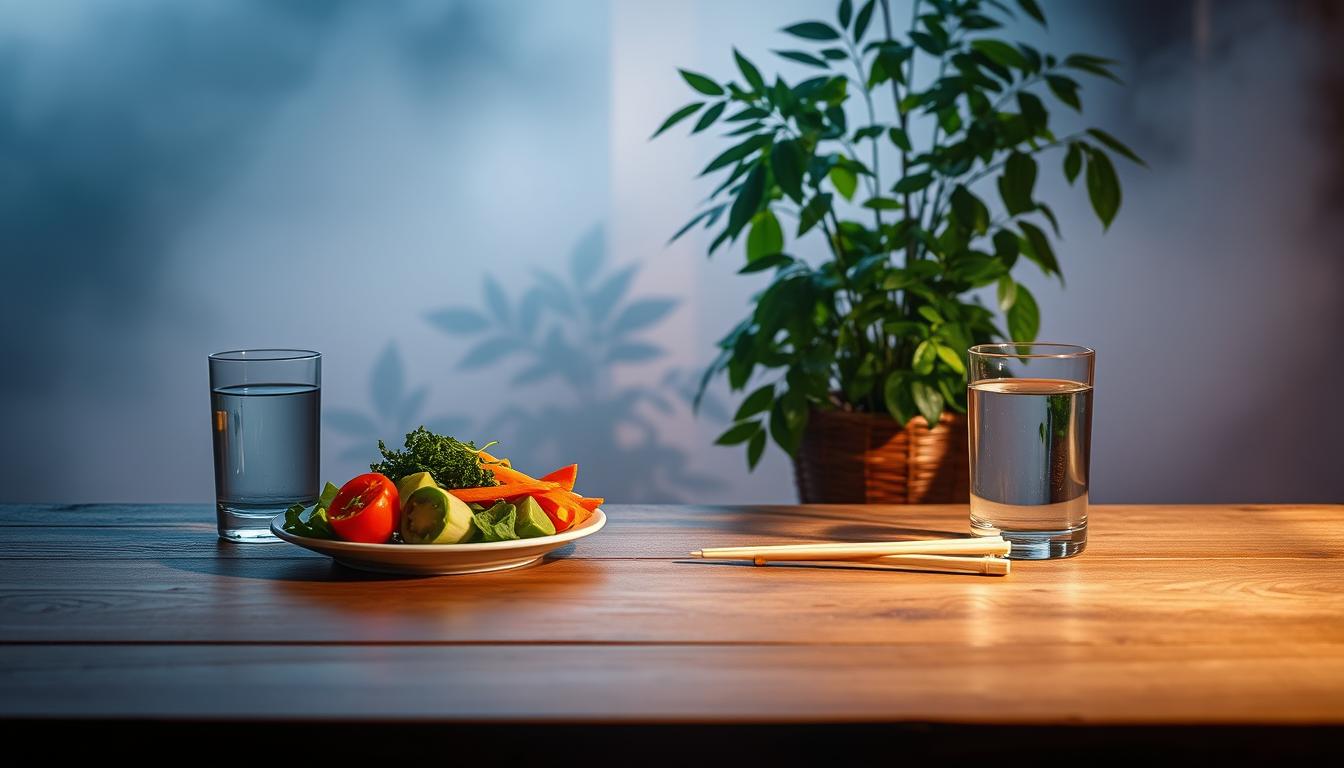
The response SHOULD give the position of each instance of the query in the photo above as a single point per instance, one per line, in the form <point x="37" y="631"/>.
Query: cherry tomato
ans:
<point x="365" y="510"/>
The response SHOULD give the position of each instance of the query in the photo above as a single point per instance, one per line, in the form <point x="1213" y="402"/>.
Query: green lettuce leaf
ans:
<point x="497" y="522"/>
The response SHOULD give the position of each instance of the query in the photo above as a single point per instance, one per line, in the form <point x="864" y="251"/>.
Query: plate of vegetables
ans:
<point x="442" y="506"/>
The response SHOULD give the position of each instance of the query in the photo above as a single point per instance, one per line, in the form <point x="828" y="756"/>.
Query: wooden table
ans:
<point x="1188" y="616"/>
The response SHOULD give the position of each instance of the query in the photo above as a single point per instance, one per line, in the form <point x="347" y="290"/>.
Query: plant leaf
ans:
<point x="747" y="202"/>
<point x="970" y="210"/>
<point x="766" y="237"/>
<point x="1065" y="89"/>
<point x="750" y="72"/>
<point x="766" y="262"/>
<point x="1103" y="188"/>
<point x="844" y="180"/>
<point x="861" y="21"/>
<point x="701" y="83"/>
<point x="897" y="395"/>
<point x="882" y="204"/>
<point x="1006" y="248"/>
<point x="1033" y="111"/>
<point x="755" y="448"/>
<point x="1040" y="250"/>
<point x="928" y="400"/>
<point x="845" y="13"/>
<point x="813" y="30"/>
<point x="952" y="358"/>
<point x="709" y="117"/>
<point x="1017" y="182"/>
<point x="899" y="138"/>
<point x="1024" y="317"/>
<point x="869" y="132"/>
<point x="737" y="152"/>
<point x="813" y="211"/>
<point x="1007" y="293"/>
<point x="912" y="183"/>
<point x="925" y="354"/>
<point x="804" y="58"/>
<point x="699" y="217"/>
<point x="787" y="163"/>
<point x="1033" y="10"/>
<point x="678" y="116"/>
<point x="458" y="320"/>
<point x="1073" y="161"/>
<point x="1116" y="145"/>
<point x="739" y="433"/>
<point x="1001" y="53"/>
<point x="757" y="402"/>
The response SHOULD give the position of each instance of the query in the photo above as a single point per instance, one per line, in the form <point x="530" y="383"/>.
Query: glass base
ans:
<point x="247" y="523"/>
<point x="1037" y="545"/>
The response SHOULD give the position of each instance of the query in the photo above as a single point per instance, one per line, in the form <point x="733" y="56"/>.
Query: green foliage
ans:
<point x="454" y="464"/>
<point x="883" y="323"/>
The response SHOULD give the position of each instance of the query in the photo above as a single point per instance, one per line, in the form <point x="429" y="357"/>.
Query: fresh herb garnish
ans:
<point x="453" y="463"/>
<point x="317" y="526"/>
<point x="497" y="522"/>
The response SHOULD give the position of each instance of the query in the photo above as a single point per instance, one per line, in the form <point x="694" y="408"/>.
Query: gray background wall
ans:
<point x="182" y="178"/>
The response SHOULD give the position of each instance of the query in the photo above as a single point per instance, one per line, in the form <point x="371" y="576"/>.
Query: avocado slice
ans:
<point x="412" y="483"/>
<point x="532" y="521"/>
<point x="431" y="515"/>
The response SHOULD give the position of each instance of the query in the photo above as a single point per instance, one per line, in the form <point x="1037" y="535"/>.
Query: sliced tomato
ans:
<point x="365" y="509"/>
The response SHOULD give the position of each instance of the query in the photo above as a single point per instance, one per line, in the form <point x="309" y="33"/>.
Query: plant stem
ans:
<point x="875" y="183"/>
<point x="911" y="251"/>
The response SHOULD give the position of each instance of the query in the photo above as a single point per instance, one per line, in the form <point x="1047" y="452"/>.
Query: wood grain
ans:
<point x="670" y="532"/>
<point x="1184" y="615"/>
<point x="271" y="600"/>
<point x="1051" y="684"/>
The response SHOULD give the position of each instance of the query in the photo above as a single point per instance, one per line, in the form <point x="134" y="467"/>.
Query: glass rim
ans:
<point x="280" y="354"/>
<point x="1076" y="351"/>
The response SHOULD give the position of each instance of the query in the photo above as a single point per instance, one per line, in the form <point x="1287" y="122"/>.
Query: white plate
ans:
<point x="436" y="559"/>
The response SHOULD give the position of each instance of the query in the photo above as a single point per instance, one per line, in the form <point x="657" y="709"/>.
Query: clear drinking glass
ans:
<point x="265" y="408"/>
<point x="1030" y="414"/>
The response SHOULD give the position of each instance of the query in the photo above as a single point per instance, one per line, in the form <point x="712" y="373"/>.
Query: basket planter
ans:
<point x="865" y="458"/>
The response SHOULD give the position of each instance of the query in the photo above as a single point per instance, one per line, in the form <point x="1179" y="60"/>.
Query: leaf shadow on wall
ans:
<point x="396" y="410"/>
<point x="563" y="338"/>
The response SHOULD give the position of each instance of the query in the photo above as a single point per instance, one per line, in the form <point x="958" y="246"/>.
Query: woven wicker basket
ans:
<point x="865" y="458"/>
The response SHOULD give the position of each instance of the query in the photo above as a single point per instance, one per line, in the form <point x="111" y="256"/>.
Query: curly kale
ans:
<point x="453" y="463"/>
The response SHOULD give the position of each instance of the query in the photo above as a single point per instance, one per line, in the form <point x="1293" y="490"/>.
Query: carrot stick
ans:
<point x="565" y="476"/>
<point x="565" y="509"/>
<point x="503" y="472"/>
<point x="506" y="491"/>
<point x="562" y="517"/>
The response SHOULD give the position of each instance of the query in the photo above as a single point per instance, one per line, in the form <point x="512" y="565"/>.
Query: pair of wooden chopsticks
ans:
<point x="982" y="555"/>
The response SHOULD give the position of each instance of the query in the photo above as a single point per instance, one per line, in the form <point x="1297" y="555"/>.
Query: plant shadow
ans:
<point x="562" y="340"/>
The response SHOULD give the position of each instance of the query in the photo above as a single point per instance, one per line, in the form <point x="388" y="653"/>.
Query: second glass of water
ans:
<point x="1030" y="422"/>
<point x="265" y="407"/>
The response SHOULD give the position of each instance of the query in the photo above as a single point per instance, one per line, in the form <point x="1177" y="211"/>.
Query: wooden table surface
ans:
<point x="1188" y="615"/>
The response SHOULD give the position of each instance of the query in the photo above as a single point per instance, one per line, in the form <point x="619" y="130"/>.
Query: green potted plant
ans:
<point x="856" y="364"/>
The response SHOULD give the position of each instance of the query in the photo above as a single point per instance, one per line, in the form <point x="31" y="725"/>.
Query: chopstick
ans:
<point x="987" y="545"/>
<point x="986" y="566"/>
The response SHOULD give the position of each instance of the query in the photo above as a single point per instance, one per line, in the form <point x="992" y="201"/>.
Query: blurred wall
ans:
<point x="456" y="202"/>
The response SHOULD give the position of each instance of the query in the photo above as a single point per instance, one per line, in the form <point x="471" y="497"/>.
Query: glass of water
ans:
<point x="1030" y="422"/>
<point x="265" y="406"/>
